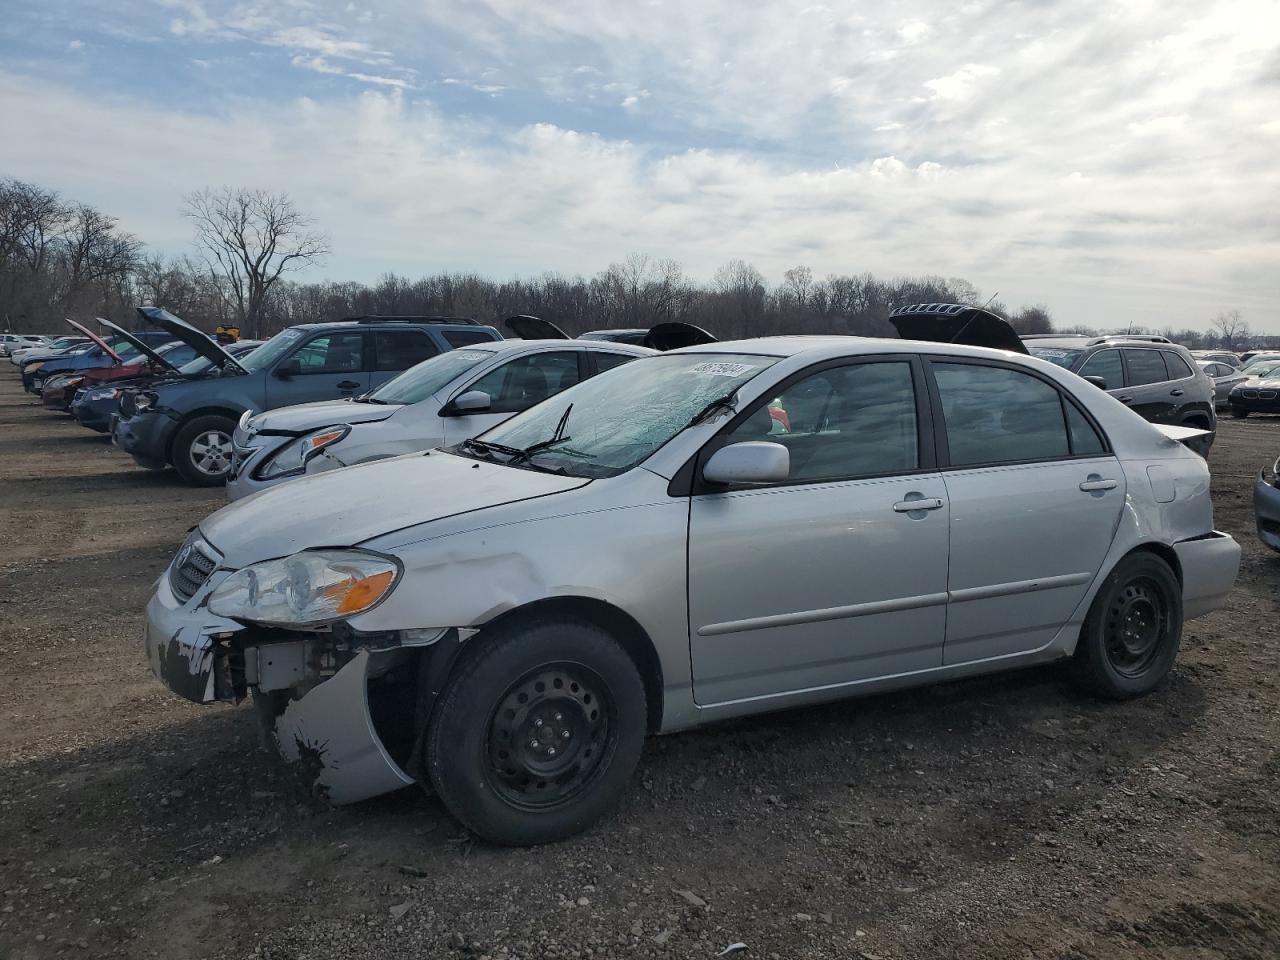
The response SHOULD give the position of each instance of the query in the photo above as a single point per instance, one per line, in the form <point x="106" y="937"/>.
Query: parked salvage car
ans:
<point x="1219" y="356"/>
<point x="1258" y="391"/>
<point x="1157" y="378"/>
<point x="53" y="348"/>
<point x="1266" y="506"/>
<point x="1224" y="377"/>
<point x="668" y="335"/>
<point x="106" y="352"/>
<point x="440" y="401"/>
<point x="10" y="342"/>
<point x="59" y="391"/>
<point x="95" y="406"/>
<point x="188" y="423"/>
<point x="507" y="619"/>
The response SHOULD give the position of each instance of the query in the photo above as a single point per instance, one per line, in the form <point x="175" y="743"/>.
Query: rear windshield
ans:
<point x="1062" y="356"/>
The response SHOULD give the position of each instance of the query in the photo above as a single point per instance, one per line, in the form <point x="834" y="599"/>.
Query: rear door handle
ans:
<point x="347" y="385"/>
<point x="1175" y="393"/>
<point x="1089" y="486"/>
<point x="1125" y="399"/>
<point x="924" y="503"/>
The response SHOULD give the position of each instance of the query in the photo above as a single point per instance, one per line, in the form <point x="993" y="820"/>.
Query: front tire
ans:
<point x="202" y="450"/>
<point x="1131" y="635"/>
<point x="537" y="732"/>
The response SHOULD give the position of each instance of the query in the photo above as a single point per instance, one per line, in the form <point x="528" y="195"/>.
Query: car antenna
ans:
<point x="989" y="299"/>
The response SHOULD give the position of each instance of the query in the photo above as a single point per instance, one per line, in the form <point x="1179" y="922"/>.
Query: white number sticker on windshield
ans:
<point x="1052" y="353"/>
<point x="721" y="369"/>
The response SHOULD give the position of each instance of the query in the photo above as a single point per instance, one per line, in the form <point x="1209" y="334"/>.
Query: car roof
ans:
<point x="516" y="344"/>
<point x="399" y="323"/>
<point x="822" y="346"/>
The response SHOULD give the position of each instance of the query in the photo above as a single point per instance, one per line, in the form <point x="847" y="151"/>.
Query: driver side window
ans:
<point x="332" y="353"/>
<point x="518" y="385"/>
<point x="852" y="421"/>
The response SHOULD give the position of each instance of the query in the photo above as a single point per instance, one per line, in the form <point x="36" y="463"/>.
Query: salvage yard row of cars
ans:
<point x="493" y="567"/>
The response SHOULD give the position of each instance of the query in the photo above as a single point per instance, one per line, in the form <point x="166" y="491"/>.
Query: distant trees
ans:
<point x="1232" y="329"/>
<point x="251" y="238"/>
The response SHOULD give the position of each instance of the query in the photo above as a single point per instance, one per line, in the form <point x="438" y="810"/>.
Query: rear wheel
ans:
<point x="1239" y="412"/>
<point x="1130" y="637"/>
<point x="537" y="733"/>
<point x="202" y="450"/>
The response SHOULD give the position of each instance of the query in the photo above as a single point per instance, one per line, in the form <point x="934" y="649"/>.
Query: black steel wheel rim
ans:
<point x="550" y="736"/>
<point x="1136" y="627"/>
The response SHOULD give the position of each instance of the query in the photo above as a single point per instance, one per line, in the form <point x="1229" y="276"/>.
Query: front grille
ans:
<point x="1249" y="394"/>
<point x="1266" y="394"/>
<point x="191" y="568"/>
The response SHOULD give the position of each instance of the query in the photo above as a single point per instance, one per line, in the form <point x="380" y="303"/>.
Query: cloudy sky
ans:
<point x="1117" y="161"/>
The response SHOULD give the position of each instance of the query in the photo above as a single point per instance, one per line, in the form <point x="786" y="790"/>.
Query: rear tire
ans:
<point x="537" y="732"/>
<point x="1131" y="635"/>
<point x="1239" y="412"/>
<point x="202" y="450"/>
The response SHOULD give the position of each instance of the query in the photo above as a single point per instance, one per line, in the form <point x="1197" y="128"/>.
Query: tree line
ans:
<point x="64" y="259"/>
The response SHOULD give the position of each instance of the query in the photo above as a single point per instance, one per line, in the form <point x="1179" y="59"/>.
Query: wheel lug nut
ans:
<point x="534" y="744"/>
<point x="551" y="751"/>
<point x="537" y="721"/>
<point x="564" y="734"/>
<point x="559" y="717"/>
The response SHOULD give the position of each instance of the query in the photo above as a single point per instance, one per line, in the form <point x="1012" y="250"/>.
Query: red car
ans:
<point x="60" y="389"/>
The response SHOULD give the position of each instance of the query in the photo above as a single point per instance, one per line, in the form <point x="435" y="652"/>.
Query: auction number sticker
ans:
<point x="722" y="369"/>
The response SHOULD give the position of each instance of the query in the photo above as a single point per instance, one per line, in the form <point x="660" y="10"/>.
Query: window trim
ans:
<point x="1064" y="397"/>
<point x="688" y="482"/>
<point x="1192" y="366"/>
<point x="371" y="337"/>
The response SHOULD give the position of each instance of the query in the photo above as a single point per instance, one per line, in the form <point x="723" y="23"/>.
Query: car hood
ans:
<point x="143" y="347"/>
<point x="956" y="323"/>
<point x="181" y="330"/>
<point x="95" y="338"/>
<point x="534" y="328"/>
<point x="305" y="417"/>
<point x="1269" y="383"/>
<point x="343" y="508"/>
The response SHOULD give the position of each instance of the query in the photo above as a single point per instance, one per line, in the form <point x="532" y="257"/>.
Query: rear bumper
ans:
<point x="1209" y="567"/>
<point x="1266" y="512"/>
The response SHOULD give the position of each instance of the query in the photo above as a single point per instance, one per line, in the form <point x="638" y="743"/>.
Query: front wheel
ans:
<point x="538" y="731"/>
<point x="1131" y="635"/>
<point x="202" y="450"/>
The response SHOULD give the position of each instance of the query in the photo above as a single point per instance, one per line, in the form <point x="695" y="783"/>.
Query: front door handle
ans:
<point x="911" y="506"/>
<point x="1175" y="393"/>
<point x="347" y="385"/>
<point x="1125" y="399"/>
<point x="1091" y="486"/>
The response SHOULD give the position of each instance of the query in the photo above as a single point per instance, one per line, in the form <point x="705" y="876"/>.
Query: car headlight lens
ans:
<point x="102" y="393"/>
<point x="293" y="456"/>
<point x="306" y="589"/>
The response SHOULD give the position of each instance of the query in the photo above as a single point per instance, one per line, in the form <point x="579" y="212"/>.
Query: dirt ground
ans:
<point x="993" y="818"/>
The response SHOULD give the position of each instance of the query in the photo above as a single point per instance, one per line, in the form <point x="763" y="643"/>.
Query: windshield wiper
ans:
<point x="558" y="436"/>
<point x="720" y="403"/>
<point x="365" y="398"/>
<point x="488" y="446"/>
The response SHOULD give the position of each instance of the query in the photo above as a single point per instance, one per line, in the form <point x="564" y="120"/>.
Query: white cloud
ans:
<point x="75" y="45"/>
<point x="960" y="85"/>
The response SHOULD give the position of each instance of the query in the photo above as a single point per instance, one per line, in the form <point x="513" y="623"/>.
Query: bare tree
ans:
<point x="640" y="290"/>
<point x="1033" y="319"/>
<point x="251" y="238"/>
<point x="1231" y="328"/>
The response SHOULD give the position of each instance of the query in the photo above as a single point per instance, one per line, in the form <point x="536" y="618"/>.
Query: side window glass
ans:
<point x="332" y="353"/>
<point x="1084" y="438"/>
<point x="607" y="361"/>
<point x="1145" y="366"/>
<point x="401" y="349"/>
<point x="849" y="421"/>
<point x="1176" y="365"/>
<point x="996" y="415"/>
<point x="464" y="338"/>
<point x="518" y="385"/>
<point x="1105" y="364"/>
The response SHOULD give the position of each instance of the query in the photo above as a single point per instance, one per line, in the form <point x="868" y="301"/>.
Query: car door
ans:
<point x="1148" y="391"/>
<point x="512" y="387"/>
<point x="1035" y="497"/>
<point x="839" y="573"/>
<point x="1107" y="365"/>
<point x="329" y="365"/>
<point x="395" y="351"/>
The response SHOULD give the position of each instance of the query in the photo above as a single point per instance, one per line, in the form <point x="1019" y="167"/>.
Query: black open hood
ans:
<point x="94" y="337"/>
<point x="675" y="334"/>
<point x="956" y="323"/>
<point x="143" y="347"/>
<point x="181" y="330"/>
<point x="534" y="328"/>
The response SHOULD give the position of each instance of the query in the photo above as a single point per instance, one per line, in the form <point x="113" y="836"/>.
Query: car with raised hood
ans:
<point x="95" y="406"/>
<point x="668" y="335"/>
<point x="440" y="401"/>
<point x="101" y="352"/>
<point x="56" y="347"/>
<point x="1159" y="379"/>
<point x="505" y="620"/>
<point x="188" y="423"/>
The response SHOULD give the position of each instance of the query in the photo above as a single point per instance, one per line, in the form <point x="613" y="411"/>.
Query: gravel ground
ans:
<point x="992" y="818"/>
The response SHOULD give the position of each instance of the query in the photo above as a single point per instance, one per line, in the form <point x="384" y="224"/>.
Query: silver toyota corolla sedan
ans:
<point x="717" y="531"/>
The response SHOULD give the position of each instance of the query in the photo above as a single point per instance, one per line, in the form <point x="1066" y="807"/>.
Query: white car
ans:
<point x="440" y="401"/>
<point x="10" y="342"/>
<point x="647" y="552"/>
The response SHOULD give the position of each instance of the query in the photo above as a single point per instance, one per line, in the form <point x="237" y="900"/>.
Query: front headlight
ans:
<point x="143" y="401"/>
<point x="102" y="393"/>
<point x="306" y="589"/>
<point x="293" y="456"/>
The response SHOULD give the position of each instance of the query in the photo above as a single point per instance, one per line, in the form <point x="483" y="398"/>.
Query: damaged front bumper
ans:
<point x="344" y="710"/>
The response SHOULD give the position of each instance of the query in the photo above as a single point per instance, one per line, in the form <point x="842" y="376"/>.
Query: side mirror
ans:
<point x="753" y="461"/>
<point x="289" y="368"/>
<point x="1098" y="382"/>
<point x="473" y="401"/>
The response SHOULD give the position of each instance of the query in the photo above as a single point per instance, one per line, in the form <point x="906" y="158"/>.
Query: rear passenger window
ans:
<point x="607" y="361"/>
<point x="1085" y="440"/>
<point x="1145" y="366"/>
<point x="1105" y="364"/>
<point x="852" y="421"/>
<point x="1176" y="365"/>
<point x="402" y="349"/>
<point x="996" y="415"/>
<point x="464" y="338"/>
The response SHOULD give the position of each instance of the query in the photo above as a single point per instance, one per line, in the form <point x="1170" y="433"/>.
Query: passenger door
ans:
<point x="832" y="576"/>
<point x="515" y="386"/>
<point x="330" y="365"/>
<point x="1035" y="498"/>
<point x="395" y="351"/>
<point x="1148" y="391"/>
